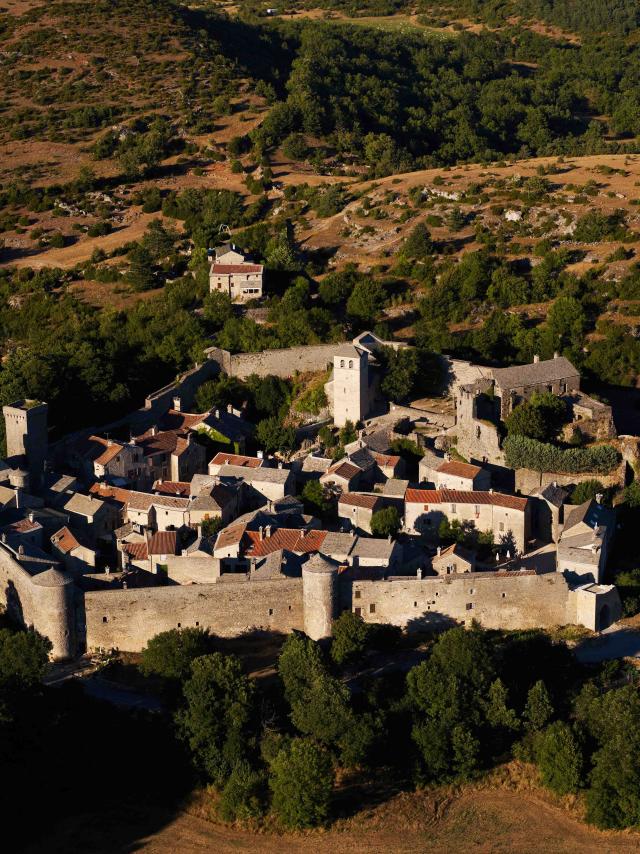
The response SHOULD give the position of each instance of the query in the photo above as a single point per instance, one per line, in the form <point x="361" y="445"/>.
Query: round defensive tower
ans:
<point x="53" y="601"/>
<point x="319" y="596"/>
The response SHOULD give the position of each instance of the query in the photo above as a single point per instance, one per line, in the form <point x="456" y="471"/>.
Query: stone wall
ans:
<point x="281" y="363"/>
<point x="127" y="619"/>
<point x="184" y="387"/>
<point x="529" y="482"/>
<point x="498" y="600"/>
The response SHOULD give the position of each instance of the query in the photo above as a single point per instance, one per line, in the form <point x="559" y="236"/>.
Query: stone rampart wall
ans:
<point x="498" y="600"/>
<point x="127" y="619"/>
<point x="528" y="481"/>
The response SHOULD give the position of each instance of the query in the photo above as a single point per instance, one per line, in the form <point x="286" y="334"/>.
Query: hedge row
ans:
<point x="522" y="452"/>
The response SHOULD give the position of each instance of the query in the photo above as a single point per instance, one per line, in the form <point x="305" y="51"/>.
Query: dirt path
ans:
<point x="495" y="820"/>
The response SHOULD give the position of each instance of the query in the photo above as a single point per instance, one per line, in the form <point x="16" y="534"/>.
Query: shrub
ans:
<point x="243" y="796"/>
<point x="586" y="490"/>
<point x="559" y="759"/>
<point x="169" y="654"/>
<point x="302" y="781"/>
<point x="386" y="522"/>
<point x="522" y="452"/>
<point x="350" y="635"/>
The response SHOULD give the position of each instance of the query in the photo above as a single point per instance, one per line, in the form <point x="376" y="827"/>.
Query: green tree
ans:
<point x="586" y="490"/>
<point x="400" y="373"/>
<point x="24" y="656"/>
<point x="539" y="418"/>
<point x="418" y="246"/>
<point x="243" y="796"/>
<point x="170" y="654"/>
<point x="350" y="635"/>
<point x="272" y="435"/>
<point x="315" y="501"/>
<point x="219" y="705"/>
<point x="301" y="780"/>
<point x="366" y="301"/>
<point x="559" y="758"/>
<point x="217" y="309"/>
<point x="539" y="709"/>
<point x="385" y="522"/>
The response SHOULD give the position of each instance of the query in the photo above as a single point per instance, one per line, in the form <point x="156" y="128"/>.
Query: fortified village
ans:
<point x="184" y="522"/>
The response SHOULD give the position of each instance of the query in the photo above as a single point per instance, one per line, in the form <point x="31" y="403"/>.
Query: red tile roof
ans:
<point x="163" y="543"/>
<point x="293" y="540"/>
<point x="354" y="499"/>
<point x="137" y="551"/>
<point x="385" y="459"/>
<point x="222" y="458"/>
<point x="225" y="269"/>
<point x="137" y="500"/>
<point x="454" y="496"/>
<point x="174" y="419"/>
<point x="64" y="540"/>
<point x="22" y="526"/>
<point x="342" y="469"/>
<point x="458" y="469"/>
<point x="230" y="536"/>
<point x="172" y="487"/>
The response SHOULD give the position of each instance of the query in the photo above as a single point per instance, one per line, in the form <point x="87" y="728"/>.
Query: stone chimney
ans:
<point x="230" y="408"/>
<point x="280" y="464"/>
<point x="154" y="430"/>
<point x="18" y="497"/>
<point x="261" y="532"/>
<point x="536" y="359"/>
<point x="20" y="550"/>
<point x="556" y="355"/>
<point x="177" y="403"/>
<point x="439" y="551"/>
<point x="260" y="455"/>
<point x="267" y="531"/>
<point x="599" y="497"/>
<point x="419" y="574"/>
<point x="217" y="413"/>
<point x="32" y="517"/>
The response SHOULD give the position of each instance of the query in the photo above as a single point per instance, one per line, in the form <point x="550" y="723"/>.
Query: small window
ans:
<point x="179" y="625"/>
<point x="501" y="526"/>
<point x="471" y="591"/>
<point x="469" y="606"/>
<point x="504" y="595"/>
<point x="197" y="624"/>
<point x="271" y="612"/>
<point x="415" y="604"/>
<point x="357" y="594"/>
<point x="372" y="608"/>
<point x="453" y="508"/>
<point x="350" y="363"/>
<point x="105" y="619"/>
<point x="358" y="612"/>
<point x="342" y="363"/>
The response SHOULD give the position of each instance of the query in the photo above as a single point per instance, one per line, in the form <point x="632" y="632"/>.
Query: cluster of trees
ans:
<point x="540" y="418"/>
<point x="476" y="698"/>
<point x="522" y="452"/>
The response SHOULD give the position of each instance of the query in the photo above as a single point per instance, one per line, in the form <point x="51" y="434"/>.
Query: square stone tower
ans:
<point x="350" y="385"/>
<point x="26" y="429"/>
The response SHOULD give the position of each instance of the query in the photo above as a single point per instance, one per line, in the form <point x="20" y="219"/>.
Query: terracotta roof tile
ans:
<point x="293" y="540"/>
<point x="354" y="499"/>
<point x="64" y="540"/>
<point x="454" y="496"/>
<point x="458" y="469"/>
<point x="342" y="469"/>
<point x="223" y="458"/>
<point x="385" y="459"/>
<point x="137" y="551"/>
<point x="172" y="487"/>
<point x="163" y="543"/>
<point x="230" y="536"/>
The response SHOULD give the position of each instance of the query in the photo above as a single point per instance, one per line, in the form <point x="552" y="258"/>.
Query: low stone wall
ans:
<point x="528" y="481"/>
<point x="281" y="363"/>
<point x="184" y="387"/>
<point x="500" y="600"/>
<point x="128" y="619"/>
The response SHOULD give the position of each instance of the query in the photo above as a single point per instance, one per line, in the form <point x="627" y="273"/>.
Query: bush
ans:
<point x="522" y="452"/>
<point x="243" y="796"/>
<point x="586" y="490"/>
<point x="350" y="635"/>
<point x="169" y="654"/>
<point x="301" y="781"/>
<point x="559" y="759"/>
<point x="386" y="522"/>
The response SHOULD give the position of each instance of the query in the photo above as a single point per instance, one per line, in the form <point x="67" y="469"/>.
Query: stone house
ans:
<point x="506" y="516"/>
<point x="94" y="519"/>
<point x="452" y="474"/>
<point x="215" y="501"/>
<point x="585" y="540"/>
<point x="342" y="476"/>
<point x="232" y="274"/>
<point x="454" y="559"/>
<point x="356" y="509"/>
<point x="261" y="484"/>
<point x="548" y="511"/>
<point x="517" y="384"/>
<point x="222" y="458"/>
<point x="106" y="459"/>
<point x="76" y="557"/>
<point x="169" y="455"/>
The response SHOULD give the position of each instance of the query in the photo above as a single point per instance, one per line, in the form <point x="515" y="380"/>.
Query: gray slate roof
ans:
<point x="259" y="475"/>
<point x="546" y="371"/>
